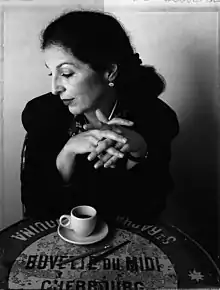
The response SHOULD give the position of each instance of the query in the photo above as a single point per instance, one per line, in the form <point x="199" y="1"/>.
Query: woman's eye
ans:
<point x="66" y="75"/>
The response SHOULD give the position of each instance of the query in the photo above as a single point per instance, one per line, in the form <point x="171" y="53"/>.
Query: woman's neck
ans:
<point x="106" y="105"/>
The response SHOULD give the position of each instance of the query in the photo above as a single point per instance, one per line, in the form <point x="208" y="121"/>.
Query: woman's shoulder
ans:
<point x="162" y="108"/>
<point x="43" y="111"/>
<point x="42" y="102"/>
<point x="165" y="118"/>
<point x="156" y="117"/>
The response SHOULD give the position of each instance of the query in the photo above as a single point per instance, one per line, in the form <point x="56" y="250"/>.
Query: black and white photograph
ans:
<point x="109" y="162"/>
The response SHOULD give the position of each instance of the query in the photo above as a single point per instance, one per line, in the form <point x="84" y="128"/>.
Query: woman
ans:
<point x="101" y="137"/>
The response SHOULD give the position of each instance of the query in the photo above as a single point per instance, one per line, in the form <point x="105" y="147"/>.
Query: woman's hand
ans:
<point x="83" y="143"/>
<point x="87" y="141"/>
<point x="107" y="159"/>
<point x="135" y="144"/>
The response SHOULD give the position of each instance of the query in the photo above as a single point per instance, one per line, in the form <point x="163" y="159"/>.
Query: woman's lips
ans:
<point x="67" y="102"/>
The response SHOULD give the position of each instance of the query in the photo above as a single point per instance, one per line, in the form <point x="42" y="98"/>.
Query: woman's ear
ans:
<point x="111" y="74"/>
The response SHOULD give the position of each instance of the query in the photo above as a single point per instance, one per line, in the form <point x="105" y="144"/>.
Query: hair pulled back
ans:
<point x="100" y="40"/>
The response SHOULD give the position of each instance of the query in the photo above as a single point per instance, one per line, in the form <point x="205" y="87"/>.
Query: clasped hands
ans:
<point x="114" y="141"/>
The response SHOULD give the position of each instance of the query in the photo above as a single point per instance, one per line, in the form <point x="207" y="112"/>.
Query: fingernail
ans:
<point x="120" y="155"/>
<point x="124" y="140"/>
<point x="97" y="165"/>
<point x="89" y="158"/>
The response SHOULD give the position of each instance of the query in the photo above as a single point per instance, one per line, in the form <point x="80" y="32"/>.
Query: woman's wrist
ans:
<point x="138" y="156"/>
<point x="65" y="156"/>
<point x="65" y="164"/>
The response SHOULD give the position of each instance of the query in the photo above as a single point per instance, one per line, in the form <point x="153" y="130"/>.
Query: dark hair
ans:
<point x="98" y="39"/>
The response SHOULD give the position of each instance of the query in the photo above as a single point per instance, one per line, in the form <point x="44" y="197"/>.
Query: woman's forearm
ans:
<point x="65" y="163"/>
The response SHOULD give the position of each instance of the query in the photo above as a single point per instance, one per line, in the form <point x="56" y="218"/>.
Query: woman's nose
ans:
<point x="56" y="86"/>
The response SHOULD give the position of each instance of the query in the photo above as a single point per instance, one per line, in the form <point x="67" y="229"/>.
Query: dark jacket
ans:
<point x="138" y="192"/>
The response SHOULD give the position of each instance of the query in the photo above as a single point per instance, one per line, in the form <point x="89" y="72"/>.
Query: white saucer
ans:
<point x="99" y="233"/>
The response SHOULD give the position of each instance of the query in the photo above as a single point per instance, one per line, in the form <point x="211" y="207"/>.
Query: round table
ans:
<point x="159" y="256"/>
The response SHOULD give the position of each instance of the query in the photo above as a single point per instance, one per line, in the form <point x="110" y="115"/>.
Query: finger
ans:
<point x="105" y="127"/>
<point x="119" y="145"/>
<point x="111" y="161"/>
<point x="102" y="146"/>
<point x="93" y="140"/>
<point x="116" y="129"/>
<point x="98" y="164"/>
<point x="113" y="128"/>
<point x="122" y="122"/>
<point x="101" y="127"/>
<point x="114" y="152"/>
<point x="108" y="160"/>
<point x="102" y="160"/>
<point x="92" y="155"/>
<point x="91" y="126"/>
<point x="91" y="147"/>
<point x="125" y="148"/>
<point x="106" y="157"/>
<point x="101" y="117"/>
<point x="112" y="135"/>
<point x="100" y="156"/>
<point x="88" y="127"/>
<point x="110" y="152"/>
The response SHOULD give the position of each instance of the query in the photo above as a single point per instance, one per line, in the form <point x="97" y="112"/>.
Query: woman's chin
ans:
<point x="75" y="110"/>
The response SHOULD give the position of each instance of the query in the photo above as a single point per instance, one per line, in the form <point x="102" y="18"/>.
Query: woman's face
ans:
<point x="79" y="86"/>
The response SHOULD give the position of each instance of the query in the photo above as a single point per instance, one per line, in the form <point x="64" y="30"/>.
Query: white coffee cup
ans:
<point x="82" y="220"/>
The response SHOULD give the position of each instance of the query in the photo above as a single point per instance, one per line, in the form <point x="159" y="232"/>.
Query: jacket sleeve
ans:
<point x="151" y="179"/>
<point x="42" y="189"/>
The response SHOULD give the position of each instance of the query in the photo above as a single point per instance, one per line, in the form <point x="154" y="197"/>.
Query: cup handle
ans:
<point x="66" y="225"/>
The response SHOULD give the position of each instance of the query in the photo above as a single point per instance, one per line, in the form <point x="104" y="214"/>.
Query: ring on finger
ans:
<point x="100" y="155"/>
<point x="97" y="144"/>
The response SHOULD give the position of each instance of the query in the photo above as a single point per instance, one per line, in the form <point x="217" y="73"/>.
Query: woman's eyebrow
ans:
<point x="63" y="63"/>
<point x="68" y="63"/>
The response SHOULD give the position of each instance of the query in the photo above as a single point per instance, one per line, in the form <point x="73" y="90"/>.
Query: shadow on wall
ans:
<point x="194" y="167"/>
